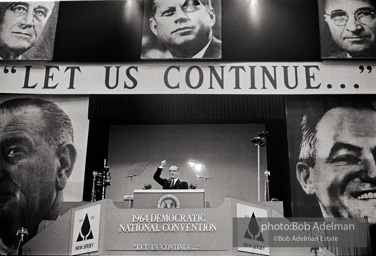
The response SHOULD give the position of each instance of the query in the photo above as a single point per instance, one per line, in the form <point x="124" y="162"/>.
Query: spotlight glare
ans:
<point x="254" y="14"/>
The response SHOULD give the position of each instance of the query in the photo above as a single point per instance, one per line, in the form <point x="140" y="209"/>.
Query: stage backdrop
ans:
<point x="76" y="108"/>
<point x="225" y="149"/>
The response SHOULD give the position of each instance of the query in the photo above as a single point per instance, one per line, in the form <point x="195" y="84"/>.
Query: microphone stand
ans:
<point x="101" y="180"/>
<point x="205" y="179"/>
<point x="21" y="232"/>
<point x="259" y="142"/>
<point x="106" y="179"/>
<point x="267" y="194"/>
<point x="93" y="191"/>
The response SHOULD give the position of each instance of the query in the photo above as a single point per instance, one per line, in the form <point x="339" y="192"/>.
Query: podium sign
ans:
<point x="86" y="223"/>
<point x="168" y="230"/>
<point x="255" y="240"/>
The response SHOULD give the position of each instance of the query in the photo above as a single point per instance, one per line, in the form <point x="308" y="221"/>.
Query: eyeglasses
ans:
<point x="364" y="16"/>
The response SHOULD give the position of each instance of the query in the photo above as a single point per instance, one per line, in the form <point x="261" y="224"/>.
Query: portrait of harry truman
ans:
<point x="182" y="29"/>
<point x="348" y="29"/>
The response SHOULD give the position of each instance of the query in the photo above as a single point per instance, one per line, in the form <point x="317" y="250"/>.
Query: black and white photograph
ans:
<point x="184" y="29"/>
<point x="43" y="145"/>
<point x="27" y="30"/>
<point x="347" y="29"/>
<point x="188" y="127"/>
<point x="332" y="143"/>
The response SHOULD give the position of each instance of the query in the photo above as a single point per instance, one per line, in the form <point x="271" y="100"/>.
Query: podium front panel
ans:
<point x="167" y="232"/>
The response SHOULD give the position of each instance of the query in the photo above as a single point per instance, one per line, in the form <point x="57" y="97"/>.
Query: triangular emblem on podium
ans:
<point x="86" y="232"/>
<point x="253" y="231"/>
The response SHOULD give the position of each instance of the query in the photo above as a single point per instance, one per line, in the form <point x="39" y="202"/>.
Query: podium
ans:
<point x="100" y="228"/>
<point x="161" y="198"/>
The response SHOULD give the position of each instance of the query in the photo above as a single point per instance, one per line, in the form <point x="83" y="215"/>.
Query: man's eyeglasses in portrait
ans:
<point x="364" y="16"/>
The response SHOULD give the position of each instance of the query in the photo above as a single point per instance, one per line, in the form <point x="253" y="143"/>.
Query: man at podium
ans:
<point x="173" y="182"/>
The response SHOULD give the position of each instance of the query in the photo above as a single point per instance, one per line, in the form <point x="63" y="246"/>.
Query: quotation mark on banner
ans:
<point x="369" y="68"/>
<point x="356" y="86"/>
<point x="6" y="70"/>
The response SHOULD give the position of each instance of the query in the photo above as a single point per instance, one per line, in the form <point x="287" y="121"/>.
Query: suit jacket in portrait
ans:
<point x="346" y="55"/>
<point x="214" y="50"/>
<point x="339" y="55"/>
<point x="165" y="183"/>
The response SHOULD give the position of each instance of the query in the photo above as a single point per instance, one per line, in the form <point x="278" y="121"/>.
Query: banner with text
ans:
<point x="189" y="78"/>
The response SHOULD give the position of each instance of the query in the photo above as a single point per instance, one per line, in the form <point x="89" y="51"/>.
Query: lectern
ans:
<point x="168" y="198"/>
<point x="100" y="228"/>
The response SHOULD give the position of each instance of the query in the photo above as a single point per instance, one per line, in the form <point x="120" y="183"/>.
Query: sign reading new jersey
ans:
<point x="86" y="230"/>
<point x="250" y="236"/>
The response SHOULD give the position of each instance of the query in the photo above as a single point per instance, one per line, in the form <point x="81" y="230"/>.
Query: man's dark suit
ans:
<point x="214" y="50"/>
<point x="345" y="55"/>
<point x="165" y="183"/>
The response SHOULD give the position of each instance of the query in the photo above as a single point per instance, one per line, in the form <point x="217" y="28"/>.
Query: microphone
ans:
<point x="260" y="139"/>
<point x="263" y="134"/>
<point x="256" y="139"/>
<point x="193" y="186"/>
<point x="147" y="186"/>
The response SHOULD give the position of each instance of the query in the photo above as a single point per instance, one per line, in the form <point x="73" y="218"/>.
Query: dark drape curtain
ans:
<point x="186" y="108"/>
